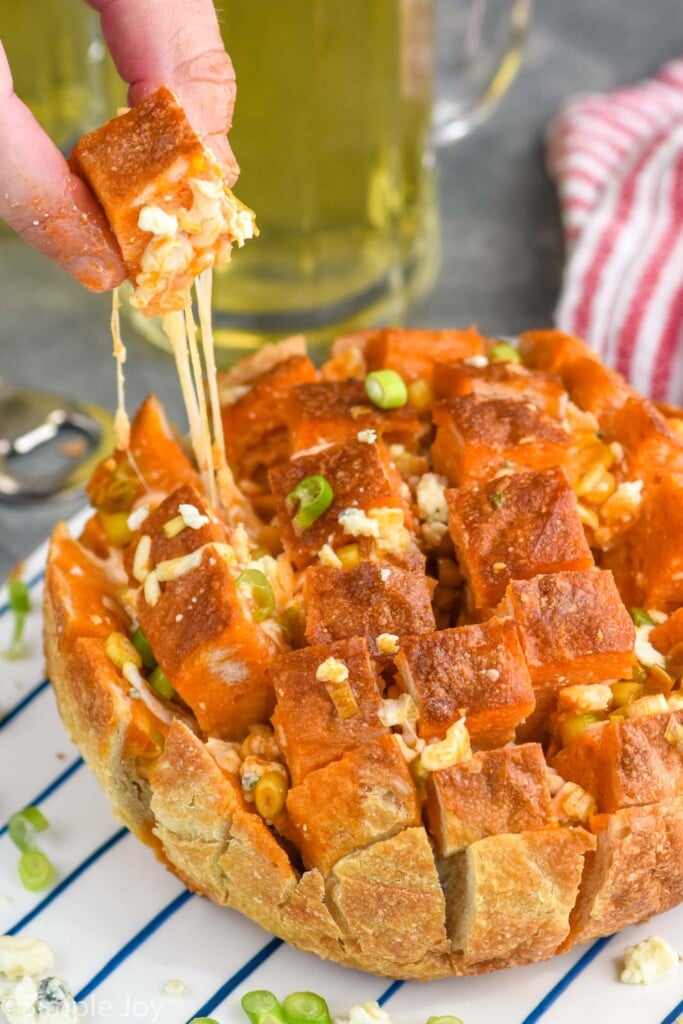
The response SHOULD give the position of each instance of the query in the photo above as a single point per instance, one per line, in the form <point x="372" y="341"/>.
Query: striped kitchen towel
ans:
<point x="618" y="162"/>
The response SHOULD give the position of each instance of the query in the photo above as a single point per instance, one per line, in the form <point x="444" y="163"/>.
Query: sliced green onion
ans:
<point x="641" y="618"/>
<point x="144" y="649"/>
<point x="504" y="353"/>
<point x="306" y="1008"/>
<point x="160" y="682"/>
<point x="20" y="603"/>
<point x="262" y="1007"/>
<point x="19" y="597"/>
<point x="314" y="496"/>
<point x="386" y="389"/>
<point x="496" y="499"/>
<point x="444" y="1018"/>
<point x="203" y="1020"/>
<point x="260" y="590"/>
<point x="22" y="826"/>
<point x="36" y="871"/>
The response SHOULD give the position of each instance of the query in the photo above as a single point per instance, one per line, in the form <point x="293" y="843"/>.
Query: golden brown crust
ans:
<point x="347" y="870"/>
<point x="509" y="896"/>
<point x="635" y="872"/>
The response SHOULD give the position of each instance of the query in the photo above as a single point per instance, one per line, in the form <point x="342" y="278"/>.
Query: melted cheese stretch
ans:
<point x="121" y="421"/>
<point x="204" y="420"/>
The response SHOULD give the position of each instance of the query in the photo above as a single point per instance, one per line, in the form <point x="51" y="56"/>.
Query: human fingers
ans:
<point x="45" y="203"/>
<point x="176" y="43"/>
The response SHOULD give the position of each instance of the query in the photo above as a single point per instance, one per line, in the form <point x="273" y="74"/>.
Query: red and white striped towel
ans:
<point x="618" y="162"/>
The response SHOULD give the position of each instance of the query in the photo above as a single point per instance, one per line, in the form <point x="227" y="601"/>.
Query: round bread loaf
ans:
<point x="421" y="713"/>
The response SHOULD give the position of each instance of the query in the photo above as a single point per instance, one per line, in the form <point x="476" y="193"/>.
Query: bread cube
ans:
<point x="365" y="796"/>
<point x="367" y="601"/>
<point x="652" y="449"/>
<point x="361" y="477"/>
<point x="498" y="791"/>
<point x="306" y="721"/>
<point x="82" y="592"/>
<point x="150" y="159"/>
<point x="505" y="380"/>
<point x="647" y="561"/>
<point x="477" y="670"/>
<point x="552" y="350"/>
<point x="157" y="463"/>
<point x="390" y="898"/>
<point x="477" y="437"/>
<point x="184" y="539"/>
<point x="214" y="654"/>
<point x="332" y="412"/>
<point x="594" y="387"/>
<point x="412" y="352"/>
<point x="636" y="871"/>
<point x="515" y="527"/>
<point x="509" y="896"/>
<point x="573" y="627"/>
<point x="626" y="761"/>
<point x="253" y="414"/>
<point x="669" y="633"/>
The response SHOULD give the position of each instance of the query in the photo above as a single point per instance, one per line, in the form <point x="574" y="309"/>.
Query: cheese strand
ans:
<point x="191" y="330"/>
<point x="121" y="421"/>
<point x="173" y="325"/>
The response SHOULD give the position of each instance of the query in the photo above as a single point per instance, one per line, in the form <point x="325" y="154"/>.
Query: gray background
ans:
<point x="502" y="240"/>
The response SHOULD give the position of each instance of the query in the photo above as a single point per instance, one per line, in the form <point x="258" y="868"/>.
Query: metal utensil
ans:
<point x="30" y="420"/>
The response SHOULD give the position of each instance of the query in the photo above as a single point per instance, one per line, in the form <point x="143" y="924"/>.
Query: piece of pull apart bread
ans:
<point x="419" y="712"/>
<point x="163" y="193"/>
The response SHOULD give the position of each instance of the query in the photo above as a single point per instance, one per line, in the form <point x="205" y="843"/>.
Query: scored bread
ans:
<point x="420" y="734"/>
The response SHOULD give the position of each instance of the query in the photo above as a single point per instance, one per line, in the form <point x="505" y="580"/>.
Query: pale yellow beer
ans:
<point x="331" y="132"/>
<point x="57" y="60"/>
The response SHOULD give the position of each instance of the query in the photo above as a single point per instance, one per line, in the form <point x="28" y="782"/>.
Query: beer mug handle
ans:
<point x="473" y="75"/>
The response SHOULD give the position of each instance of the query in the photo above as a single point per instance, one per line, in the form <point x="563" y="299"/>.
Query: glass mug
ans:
<point x="57" y="58"/>
<point x="340" y="105"/>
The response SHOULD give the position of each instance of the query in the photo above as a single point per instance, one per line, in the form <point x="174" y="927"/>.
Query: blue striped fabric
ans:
<point x="122" y="954"/>
<point x="236" y="979"/>
<point x="566" y="980"/>
<point x="24" y="703"/>
<point x="55" y="893"/>
<point x="672" y="1017"/>
<point x="51" y="788"/>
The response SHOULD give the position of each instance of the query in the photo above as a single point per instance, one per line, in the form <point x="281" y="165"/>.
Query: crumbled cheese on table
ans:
<point x="648" y="961"/>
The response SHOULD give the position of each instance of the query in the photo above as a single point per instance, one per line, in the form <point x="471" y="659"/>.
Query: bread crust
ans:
<point x="500" y="873"/>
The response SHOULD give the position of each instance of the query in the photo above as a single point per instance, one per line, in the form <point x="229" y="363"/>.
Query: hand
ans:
<point x="174" y="42"/>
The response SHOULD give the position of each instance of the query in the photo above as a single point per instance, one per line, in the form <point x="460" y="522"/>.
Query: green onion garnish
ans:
<point x="203" y="1020"/>
<point x="496" y="499"/>
<point x="159" y="681"/>
<point x="261" y="1007"/>
<point x="142" y="646"/>
<point x="36" y="871"/>
<point x="504" y="353"/>
<point x="641" y="618"/>
<point x="20" y="603"/>
<point x="314" y="496"/>
<point x="22" y="826"/>
<point x="306" y="1008"/>
<point x="444" y="1018"/>
<point x="386" y="389"/>
<point x="260" y="590"/>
